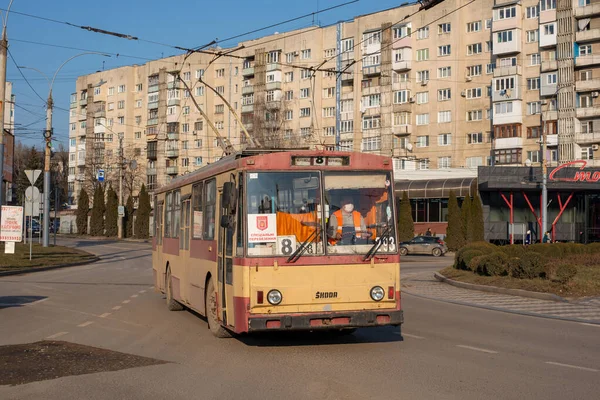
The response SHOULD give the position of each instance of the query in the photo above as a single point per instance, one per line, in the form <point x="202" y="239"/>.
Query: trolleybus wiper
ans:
<point x="373" y="250"/>
<point x="309" y="240"/>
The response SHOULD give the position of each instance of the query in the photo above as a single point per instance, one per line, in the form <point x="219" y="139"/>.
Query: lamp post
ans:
<point x="48" y="137"/>
<point x="3" y="51"/>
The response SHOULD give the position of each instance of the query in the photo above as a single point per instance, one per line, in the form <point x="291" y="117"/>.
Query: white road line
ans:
<point x="134" y="296"/>
<point x="38" y="301"/>
<point x="594" y="325"/>
<point x="572" y="366"/>
<point x="106" y="314"/>
<point x="142" y="291"/>
<point x="116" y="308"/>
<point x="412" y="336"/>
<point x="477" y="349"/>
<point x="88" y="323"/>
<point x="56" y="335"/>
<point x="126" y="301"/>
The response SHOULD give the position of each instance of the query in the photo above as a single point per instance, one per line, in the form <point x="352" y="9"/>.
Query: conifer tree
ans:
<point x="142" y="221"/>
<point x="129" y="217"/>
<point x="465" y="213"/>
<point x="83" y="207"/>
<point x="406" y="225"/>
<point x="98" y="208"/>
<point x="112" y="213"/>
<point x="476" y="229"/>
<point x="454" y="234"/>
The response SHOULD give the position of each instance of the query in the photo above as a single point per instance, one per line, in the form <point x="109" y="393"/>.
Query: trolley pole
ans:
<point x="120" y="220"/>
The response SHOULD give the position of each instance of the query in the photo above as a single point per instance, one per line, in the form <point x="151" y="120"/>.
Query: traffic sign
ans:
<point x="33" y="175"/>
<point x="121" y="211"/>
<point x="32" y="193"/>
<point x="100" y="175"/>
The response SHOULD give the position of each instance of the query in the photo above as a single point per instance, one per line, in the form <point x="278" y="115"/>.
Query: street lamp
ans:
<point x="3" y="51"/>
<point x="48" y="137"/>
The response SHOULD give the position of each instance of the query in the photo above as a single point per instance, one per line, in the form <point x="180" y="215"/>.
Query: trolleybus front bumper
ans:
<point x="323" y="321"/>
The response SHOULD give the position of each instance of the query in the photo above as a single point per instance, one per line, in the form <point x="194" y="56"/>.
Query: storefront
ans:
<point x="512" y="205"/>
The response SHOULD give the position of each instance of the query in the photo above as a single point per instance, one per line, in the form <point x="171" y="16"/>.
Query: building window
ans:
<point x="401" y="31"/>
<point x="372" y="122"/>
<point x="121" y="104"/>
<point x="305" y="54"/>
<point x="373" y="100"/>
<point x="347" y="126"/>
<point x="270" y="95"/>
<point x="289" y="115"/>
<point x="504" y="36"/>
<point x="304" y="93"/>
<point x="587" y="153"/>
<point x="509" y="156"/>
<point x="551" y="79"/>
<point x="138" y="104"/>
<point x="422" y="97"/>
<point x="534" y="108"/>
<point x="305" y="112"/>
<point x="504" y="83"/>
<point x="422" y="119"/>
<point x="444" y="50"/>
<point x="547" y="5"/>
<point x="289" y="77"/>
<point x="328" y="93"/>
<point x="371" y="144"/>
<point x="473" y="93"/>
<point x="445" y="139"/>
<point x="402" y="96"/>
<point x="305" y="74"/>
<point x="444" y="94"/>
<point x="505" y="13"/>
<point x="474" y="26"/>
<point x="220" y="73"/>
<point x="585" y="101"/>
<point x="444" y="116"/>
<point x="533" y="11"/>
<point x="585" y="50"/>
<point x="549" y="29"/>
<point x="423" y="76"/>
<point x="186" y="110"/>
<point x="533" y="132"/>
<point x="329" y="130"/>
<point x="121" y="89"/>
<point x="401" y="118"/>
<point x="474" y="162"/>
<point x="444" y="162"/>
<point x="423" y="33"/>
<point x="475" y="138"/>
<point x="474" y="70"/>
<point x="488" y="23"/>
<point x="504" y="107"/>
<point x="444" y="28"/>
<point x="289" y="95"/>
<point x="200" y="91"/>
<point x="474" y="115"/>
<point x="533" y="156"/>
<point x="474" y="48"/>
<point x="111" y="91"/>
<point x="507" y="131"/>
<point x="187" y="76"/>
<point x="533" y="83"/>
<point x="535" y="59"/>
<point x="423" y="164"/>
<point x="328" y="112"/>
<point x="533" y="36"/>
<point x="422" y="54"/>
<point x="422" y="141"/>
<point x="587" y="126"/>
<point x="444" y="72"/>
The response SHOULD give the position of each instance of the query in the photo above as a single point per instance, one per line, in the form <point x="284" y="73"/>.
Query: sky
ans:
<point x="185" y="23"/>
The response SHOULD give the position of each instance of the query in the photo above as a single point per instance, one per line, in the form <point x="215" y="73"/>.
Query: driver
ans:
<point x="346" y="224"/>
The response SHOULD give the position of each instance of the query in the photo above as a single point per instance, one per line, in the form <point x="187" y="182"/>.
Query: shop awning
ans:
<point x="435" y="188"/>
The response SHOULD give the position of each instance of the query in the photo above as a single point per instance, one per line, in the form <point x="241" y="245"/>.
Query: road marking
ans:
<point x="476" y="349"/>
<point x="134" y="296"/>
<point x="412" y="336"/>
<point x="56" y="335"/>
<point x="594" y="325"/>
<point x="116" y="308"/>
<point x="126" y="301"/>
<point x="572" y="366"/>
<point x="142" y="291"/>
<point x="38" y="301"/>
<point x="88" y="323"/>
<point x="106" y="314"/>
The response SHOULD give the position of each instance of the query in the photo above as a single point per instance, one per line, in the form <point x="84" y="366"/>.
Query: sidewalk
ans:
<point x="423" y="284"/>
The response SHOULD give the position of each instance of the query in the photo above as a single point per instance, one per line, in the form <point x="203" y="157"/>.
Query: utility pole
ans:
<point x="47" y="152"/>
<point x="544" y="210"/>
<point x="120" y="220"/>
<point x="3" y="51"/>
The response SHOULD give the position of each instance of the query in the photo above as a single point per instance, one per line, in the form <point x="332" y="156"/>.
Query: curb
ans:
<point x="495" y="289"/>
<point x="48" y="268"/>
<point x="101" y="238"/>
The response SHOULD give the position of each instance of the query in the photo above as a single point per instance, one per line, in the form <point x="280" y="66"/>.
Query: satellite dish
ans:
<point x="409" y="146"/>
<point x="528" y="162"/>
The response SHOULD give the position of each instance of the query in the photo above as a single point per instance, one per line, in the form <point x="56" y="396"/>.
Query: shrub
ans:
<point x="513" y="266"/>
<point x="515" y="250"/>
<point x="531" y="265"/>
<point x="475" y="263"/>
<point x="466" y="257"/>
<point x="560" y="272"/>
<point x="494" y="264"/>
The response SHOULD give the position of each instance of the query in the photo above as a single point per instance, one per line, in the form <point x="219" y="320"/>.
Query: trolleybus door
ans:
<point x="225" y="266"/>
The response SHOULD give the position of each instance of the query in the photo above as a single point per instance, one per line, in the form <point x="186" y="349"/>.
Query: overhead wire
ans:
<point x="23" y="75"/>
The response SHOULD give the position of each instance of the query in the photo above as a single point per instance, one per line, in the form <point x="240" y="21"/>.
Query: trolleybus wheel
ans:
<point x="172" y="304"/>
<point x="211" y="312"/>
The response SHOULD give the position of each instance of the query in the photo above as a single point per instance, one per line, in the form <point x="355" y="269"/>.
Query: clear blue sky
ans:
<point x="185" y="23"/>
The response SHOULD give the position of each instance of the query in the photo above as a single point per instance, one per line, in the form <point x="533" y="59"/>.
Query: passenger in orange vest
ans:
<point x="346" y="224"/>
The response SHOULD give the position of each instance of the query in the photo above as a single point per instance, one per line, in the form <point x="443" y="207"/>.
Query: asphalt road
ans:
<point x="445" y="351"/>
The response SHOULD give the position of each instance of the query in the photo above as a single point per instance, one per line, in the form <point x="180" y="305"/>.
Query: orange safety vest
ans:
<point x="340" y="222"/>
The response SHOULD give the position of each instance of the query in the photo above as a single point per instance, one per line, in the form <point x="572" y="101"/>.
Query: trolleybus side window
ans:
<point x="184" y="236"/>
<point x="168" y="210"/>
<point x="176" y="217"/>
<point x="210" y="200"/>
<point x="240" y="214"/>
<point x="197" y="213"/>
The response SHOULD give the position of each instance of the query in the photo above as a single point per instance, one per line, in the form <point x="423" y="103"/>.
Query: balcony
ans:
<point x="273" y="86"/>
<point x="511" y="47"/>
<point x="402" y="107"/>
<point x="80" y="177"/>
<point x="247" y="108"/>
<point x="82" y="116"/>
<point x="506" y="71"/>
<point x="586" y="86"/>
<point x="173" y="85"/>
<point x="552" y="140"/>
<point x="71" y="178"/>
<point x="99" y="128"/>
<point x="273" y="67"/>
<point x="172" y="135"/>
<point x="371" y="90"/>
<point x="83" y="102"/>
<point x="549" y="65"/>
<point x="588" y="112"/>
<point x="152" y="105"/>
<point x="172" y="153"/>
<point x="152" y="121"/>
<point x="73" y="105"/>
<point x="100" y="113"/>
<point x="173" y="117"/>
<point x="587" y="11"/>
<point x="81" y="162"/>
<point x="372" y="70"/>
<point x="173" y="170"/>
<point x="249" y="125"/>
<point x="81" y="147"/>
<point x="587" y="138"/>
<point x="584" y="61"/>
<point x="402" y="130"/>
<point x="550" y="115"/>
<point x="508" y="143"/>
<point x="248" y="71"/>
<point x="173" y="102"/>
<point x="590" y="35"/>
<point x="248" y="89"/>
<point x="402" y="65"/>
<point x="151" y="155"/>
<point x="153" y="88"/>
<point x="99" y="145"/>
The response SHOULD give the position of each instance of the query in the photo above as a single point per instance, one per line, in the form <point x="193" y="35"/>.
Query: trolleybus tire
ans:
<point x="436" y="252"/>
<point x="211" y="312"/>
<point x="172" y="304"/>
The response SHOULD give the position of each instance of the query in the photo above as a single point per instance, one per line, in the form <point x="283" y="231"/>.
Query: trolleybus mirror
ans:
<point x="229" y="196"/>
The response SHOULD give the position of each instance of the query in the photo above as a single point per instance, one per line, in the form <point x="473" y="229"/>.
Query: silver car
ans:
<point x="424" y="245"/>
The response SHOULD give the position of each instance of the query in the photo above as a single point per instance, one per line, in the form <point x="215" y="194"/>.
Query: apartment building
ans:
<point x="457" y="86"/>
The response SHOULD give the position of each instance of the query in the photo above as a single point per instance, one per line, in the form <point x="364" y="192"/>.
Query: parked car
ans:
<point x="36" y="227"/>
<point x="424" y="245"/>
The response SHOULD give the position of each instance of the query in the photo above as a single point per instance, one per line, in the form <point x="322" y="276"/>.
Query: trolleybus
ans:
<point x="281" y="240"/>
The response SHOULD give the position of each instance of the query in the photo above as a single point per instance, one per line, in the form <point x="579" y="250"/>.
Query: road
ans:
<point x="445" y="351"/>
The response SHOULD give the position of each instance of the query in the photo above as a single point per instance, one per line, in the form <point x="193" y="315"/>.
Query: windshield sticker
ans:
<point x="262" y="228"/>
<point x="253" y="175"/>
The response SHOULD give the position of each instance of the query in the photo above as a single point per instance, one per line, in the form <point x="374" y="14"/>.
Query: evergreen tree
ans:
<point x="98" y="208"/>
<point x="406" y="225"/>
<point x="142" y="221"/>
<point x="465" y="213"/>
<point x="83" y="207"/>
<point x="129" y="217"/>
<point x="454" y="234"/>
<point x="112" y="213"/>
<point x="476" y="228"/>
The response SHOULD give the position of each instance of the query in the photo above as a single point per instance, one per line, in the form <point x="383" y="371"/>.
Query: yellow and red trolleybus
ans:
<point x="281" y="240"/>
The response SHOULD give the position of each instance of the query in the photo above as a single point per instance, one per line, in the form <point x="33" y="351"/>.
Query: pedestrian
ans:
<point x="428" y="233"/>
<point x="546" y="238"/>
<point x="528" y="237"/>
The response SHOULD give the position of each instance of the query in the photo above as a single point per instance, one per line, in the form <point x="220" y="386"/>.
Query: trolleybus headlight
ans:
<point x="274" y="297"/>
<point x="377" y="293"/>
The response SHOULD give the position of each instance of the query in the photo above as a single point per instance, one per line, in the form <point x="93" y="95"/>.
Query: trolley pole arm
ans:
<point x="223" y="143"/>
<point x="253" y="141"/>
